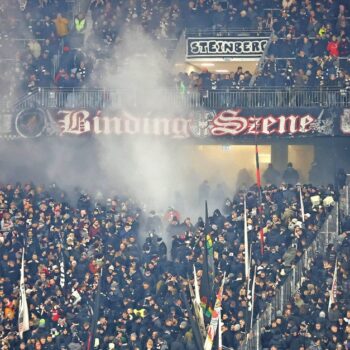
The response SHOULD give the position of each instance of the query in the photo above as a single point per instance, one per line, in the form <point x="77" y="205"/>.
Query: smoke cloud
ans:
<point x="156" y="172"/>
<point x="153" y="170"/>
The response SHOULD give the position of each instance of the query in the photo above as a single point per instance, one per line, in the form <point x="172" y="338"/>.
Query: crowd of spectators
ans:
<point x="146" y="261"/>
<point x="166" y="19"/>
<point x="207" y="81"/>
<point x="30" y="39"/>
<point x="41" y="41"/>
<point x="310" y="46"/>
<point x="309" y="320"/>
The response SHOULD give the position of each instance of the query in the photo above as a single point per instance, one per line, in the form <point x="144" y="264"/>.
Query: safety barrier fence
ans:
<point x="328" y="234"/>
<point x="209" y="99"/>
<point x="345" y="198"/>
<point x="223" y="31"/>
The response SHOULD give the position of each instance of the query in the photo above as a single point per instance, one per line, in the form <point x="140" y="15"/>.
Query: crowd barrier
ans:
<point x="223" y="31"/>
<point x="328" y="234"/>
<point x="218" y="99"/>
<point x="345" y="198"/>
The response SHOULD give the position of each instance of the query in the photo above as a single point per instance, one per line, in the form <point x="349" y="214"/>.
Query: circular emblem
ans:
<point x="30" y="123"/>
<point x="200" y="123"/>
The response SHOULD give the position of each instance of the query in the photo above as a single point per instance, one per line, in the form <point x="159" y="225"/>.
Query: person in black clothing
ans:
<point x="271" y="175"/>
<point x="290" y="175"/>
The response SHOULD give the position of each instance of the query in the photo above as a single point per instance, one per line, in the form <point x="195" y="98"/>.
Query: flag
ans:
<point x="214" y="318"/>
<point x="194" y="325"/>
<point x="261" y="236"/>
<point x="251" y="306"/>
<point x="207" y="281"/>
<point x="62" y="264"/>
<point x="301" y="204"/>
<point x="182" y="88"/>
<point x="95" y="315"/>
<point x="62" y="270"/>
<point x="196" y="287"/>
<point x="246" y="243"/>
<point x="23" y="315"/>
<point x="197" y="304"/>
<point x="220" y="333"/>
<point x="333" y="291"/>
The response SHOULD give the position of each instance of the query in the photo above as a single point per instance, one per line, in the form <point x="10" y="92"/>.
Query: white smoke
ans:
<point x="158" y="172"/>
<point x="153" y="168"/>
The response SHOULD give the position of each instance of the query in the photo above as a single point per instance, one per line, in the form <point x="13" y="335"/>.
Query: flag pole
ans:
<point x="301" y="204"/>
<point x="246" y="243"/>
<point x="220" y="332"/>
<point x="197" y="305"/>
<point x="95" y="316"/>
<point x="23" y="313"/>
<point x="333" y="291"/>
<point x="258" y="182"/>
<point x="207" y="281"/>
<point x="212" y="328"/>
<point x="194" y="325"/>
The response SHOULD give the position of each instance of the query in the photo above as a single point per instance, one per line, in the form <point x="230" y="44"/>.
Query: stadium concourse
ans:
<point x="88" y="262"/>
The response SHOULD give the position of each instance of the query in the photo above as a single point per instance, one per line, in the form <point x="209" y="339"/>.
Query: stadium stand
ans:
<point x="67" y="247"/>
<point x="74" y="253"/>
<point x="309" y="46"/>
<point x="310" y="321"/>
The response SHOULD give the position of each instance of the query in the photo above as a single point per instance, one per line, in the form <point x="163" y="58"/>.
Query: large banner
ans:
<point x="241" y="47"/>
<point x="229" y="123"/>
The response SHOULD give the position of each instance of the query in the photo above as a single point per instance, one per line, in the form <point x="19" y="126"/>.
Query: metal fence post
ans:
<point x="336" y="219"/>
<point x="347" y="199"/>
<point x="281" y="300"/>
<point x="293" y="280"/>
<point x="327" y="231"/>
<point x="257" y="336"/>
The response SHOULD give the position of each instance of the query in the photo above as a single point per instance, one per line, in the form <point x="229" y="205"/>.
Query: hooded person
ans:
<point x="290" y="175"/>
<point x="271" y="176"/>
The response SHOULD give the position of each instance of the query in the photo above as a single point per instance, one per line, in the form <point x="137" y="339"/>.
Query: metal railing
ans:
<point x="328" y="234"/>
<point x="345" y="201"/>
<point x="261" y="62"/>
<point x="214" y="99"/>
<point x="276" y="97"/>
<point x="345" y="198"/>
<point x="224" y="32"/>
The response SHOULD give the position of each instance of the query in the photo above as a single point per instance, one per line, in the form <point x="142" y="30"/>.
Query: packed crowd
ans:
<point x="29" y="43"/>
<point x="310" y="46"/>
<point x="310" y="321"/>
<point x="206" y="81"/>
<point x="146" y="261"/>
<point x="166" y="19"/>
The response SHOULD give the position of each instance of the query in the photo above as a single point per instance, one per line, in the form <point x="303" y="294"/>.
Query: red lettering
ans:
<point x="267" y="123"/>
<point x="306" y="123"/>
<point x="228" y="123"/>
<point x="254" y="125"/>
